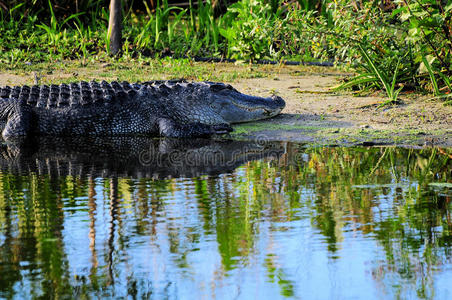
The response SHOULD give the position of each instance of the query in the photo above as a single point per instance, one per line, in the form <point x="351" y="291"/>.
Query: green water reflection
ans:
<point x="314" y="223"/>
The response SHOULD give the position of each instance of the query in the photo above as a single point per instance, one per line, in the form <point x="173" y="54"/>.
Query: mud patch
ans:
<point x="316" y="114"/>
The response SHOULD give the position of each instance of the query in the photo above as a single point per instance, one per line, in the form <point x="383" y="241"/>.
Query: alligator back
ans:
<point x="71" y="95"/>
<point x="81" y="93"/>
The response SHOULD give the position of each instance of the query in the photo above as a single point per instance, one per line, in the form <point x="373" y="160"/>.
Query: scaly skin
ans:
<point x="155" y="108"/>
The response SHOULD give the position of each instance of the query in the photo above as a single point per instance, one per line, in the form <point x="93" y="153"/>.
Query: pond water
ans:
<point x="229" y="220"/>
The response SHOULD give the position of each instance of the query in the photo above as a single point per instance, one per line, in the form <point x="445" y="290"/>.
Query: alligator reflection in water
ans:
<point x="356" y="222"/>
<point x="133" y="156"/>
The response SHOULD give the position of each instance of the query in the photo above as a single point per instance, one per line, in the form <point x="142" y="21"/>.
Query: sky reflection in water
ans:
<point x="313" y="223"/>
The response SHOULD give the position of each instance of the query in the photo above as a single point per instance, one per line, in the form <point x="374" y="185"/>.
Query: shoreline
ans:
<point x="314" y="113"/>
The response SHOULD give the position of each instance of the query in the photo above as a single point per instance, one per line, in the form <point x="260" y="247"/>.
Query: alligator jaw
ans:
<point x="249" y="108"/>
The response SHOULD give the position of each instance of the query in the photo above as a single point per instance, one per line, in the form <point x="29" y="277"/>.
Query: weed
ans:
<point x="377" y="76"/>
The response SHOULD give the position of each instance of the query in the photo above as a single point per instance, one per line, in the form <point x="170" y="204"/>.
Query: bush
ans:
<point x="391" y="45"/>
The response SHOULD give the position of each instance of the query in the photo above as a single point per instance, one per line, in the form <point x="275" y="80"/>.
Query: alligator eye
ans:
<point x="216" y="87"/>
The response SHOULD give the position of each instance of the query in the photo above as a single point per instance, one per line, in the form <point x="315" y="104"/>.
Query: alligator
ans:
<point x="155" y="108"/>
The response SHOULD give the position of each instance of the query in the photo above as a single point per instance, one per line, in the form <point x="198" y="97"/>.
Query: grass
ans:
<point x="142" y="69"/>
<point x="377" y="76"/>
<point x="386" y="47"/>
<point x="135" y="70"/>
<point x="155" y="33"/>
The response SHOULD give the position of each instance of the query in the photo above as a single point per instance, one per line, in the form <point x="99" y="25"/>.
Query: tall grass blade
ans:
<point x="360" y="79"/>
<point x="446" y="81"/>
<point x="389" y="87"/>
<point x="377" y="72"/>
<point x="432" y="76"/>
<point x="394" y="77"/>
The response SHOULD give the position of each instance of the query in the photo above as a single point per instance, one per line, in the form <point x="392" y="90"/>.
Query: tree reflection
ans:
<point x="384" y="194"/>
<point x="33" y="247"/>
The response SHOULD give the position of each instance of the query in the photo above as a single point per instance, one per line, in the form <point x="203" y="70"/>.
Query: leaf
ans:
<point x="227" y="33"/>
<point x="357" y="80"/>
<point x="378" y="73"/>
<point x="441" y="184"/>
<point x="446" y="80"/>
<point x="432" y="75"/>
<point x="394" y="79"/>
<point x="448" y="7"/>
<point x="405" y="16"/>
<point x="398" y="11"/>
<point x="70" y="18"/>
<point x="414" y="31"/>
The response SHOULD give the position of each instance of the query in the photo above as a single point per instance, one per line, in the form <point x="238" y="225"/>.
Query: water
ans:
<point x="155" y="219"/>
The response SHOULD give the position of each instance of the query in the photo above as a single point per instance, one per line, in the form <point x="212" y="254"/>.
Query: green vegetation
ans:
<point x="408" y="41"/>
<point x="394" y="46"/>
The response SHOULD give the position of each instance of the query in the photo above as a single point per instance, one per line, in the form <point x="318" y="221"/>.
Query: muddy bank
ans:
<point x="314" y="114"/>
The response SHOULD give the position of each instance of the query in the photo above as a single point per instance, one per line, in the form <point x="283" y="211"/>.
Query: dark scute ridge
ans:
<point x="53" y="96"/>
<point x="120" y="94"/>
<point x="74" y="90"/>
<point x="86" y="94"/>
<point x="65" y="93"/>
<point x="24" y="93"/>
<point x="35" y="90"/>
<point x="98" y="96"/>
<point x="72" y="94"/>
<point x="15" y="92"/>
<point x="216" y="87"/>
<point x="74" y="86"/>
<point x="108" y="92"/>
<point x="136" y="86"/>
<point x="43" y="95"/>
<point x="163" y="89"/>
<point x="170" y="82"/>
<point x="126" y="86"/>
<point x="34" y="95"/>
<point x="5" y="91"/>
<point x="129" y="89"/>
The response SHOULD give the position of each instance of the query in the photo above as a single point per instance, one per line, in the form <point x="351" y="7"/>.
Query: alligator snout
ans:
<point x="275" y="106"/>
<point x="278" y="102"/>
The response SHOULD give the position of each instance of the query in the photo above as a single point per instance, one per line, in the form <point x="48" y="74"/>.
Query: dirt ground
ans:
<point x="314" y="113"/>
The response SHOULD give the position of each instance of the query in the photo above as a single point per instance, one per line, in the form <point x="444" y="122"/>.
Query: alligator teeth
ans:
<point x="246" y="107"/>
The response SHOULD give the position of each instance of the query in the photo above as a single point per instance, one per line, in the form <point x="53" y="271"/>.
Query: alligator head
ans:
<point x="216" y="103"/>
<point x="235" y="107"/>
